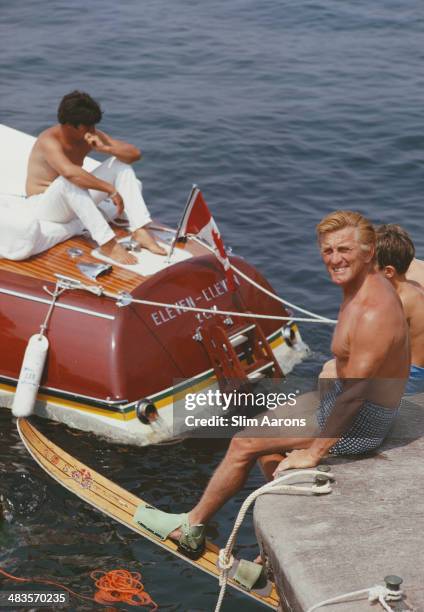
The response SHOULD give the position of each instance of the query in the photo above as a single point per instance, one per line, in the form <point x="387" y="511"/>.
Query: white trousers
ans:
<point x="63" y="201"/>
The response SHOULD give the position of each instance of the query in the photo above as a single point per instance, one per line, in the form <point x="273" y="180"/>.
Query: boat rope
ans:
<point x="58" y="290"/>
<point x="226" y="559"/>
<point x="123" y="586"/>
<point x="124" y="299"/>
<point x="118" y="585"/>
<point x="261" y="288"/>
<point x="375" y="593"/>
<point x="229" y="313"/>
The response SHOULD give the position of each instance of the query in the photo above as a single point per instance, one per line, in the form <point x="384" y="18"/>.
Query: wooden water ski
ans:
<point x="113" y="500"/>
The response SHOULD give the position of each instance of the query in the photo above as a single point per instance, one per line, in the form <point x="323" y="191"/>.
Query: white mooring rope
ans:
<point x="375" y="593"/>
<point x="226" y="559"/>
<point x="266" y="291"/>
<point x="124" y="299"/>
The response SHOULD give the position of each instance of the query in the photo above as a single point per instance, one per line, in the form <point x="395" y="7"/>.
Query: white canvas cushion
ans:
<point x="20" y="235"/>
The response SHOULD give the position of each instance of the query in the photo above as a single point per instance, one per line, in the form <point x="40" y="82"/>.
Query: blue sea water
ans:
<point x="280" y="112"/>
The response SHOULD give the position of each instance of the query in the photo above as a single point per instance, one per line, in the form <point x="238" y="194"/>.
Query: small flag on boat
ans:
<point x="198" y="221"/>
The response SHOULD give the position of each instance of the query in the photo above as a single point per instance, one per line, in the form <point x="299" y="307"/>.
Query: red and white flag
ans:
<point x="198" y="221"/>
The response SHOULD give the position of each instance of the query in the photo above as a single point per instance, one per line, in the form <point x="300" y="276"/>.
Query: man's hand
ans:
<point x="118" y="201"/>
<point x="297" y="459"/>
<point x="103" y="143"/>
<point x="96" y="143"/>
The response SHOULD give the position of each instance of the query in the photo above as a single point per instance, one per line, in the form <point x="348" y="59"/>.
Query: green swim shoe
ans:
<point x="161" y="524"/>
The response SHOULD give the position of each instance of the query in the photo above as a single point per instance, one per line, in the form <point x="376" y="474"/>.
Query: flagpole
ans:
<point x="171" y="251"/>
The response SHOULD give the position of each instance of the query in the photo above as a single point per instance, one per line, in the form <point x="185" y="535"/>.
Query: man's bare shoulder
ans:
<point x="415" y="272"/>
<point x="412" y="295"/>
<point x="378" y="303"/>
<point x="378" y="292"/>
<point x="49" y="135"/>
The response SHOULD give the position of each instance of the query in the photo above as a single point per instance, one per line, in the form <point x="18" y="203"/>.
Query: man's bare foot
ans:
<point x="175" y="535"/>
<point x="258" y="560"/>
<point x="146" y="240"/>
<point x="117" y="252"/>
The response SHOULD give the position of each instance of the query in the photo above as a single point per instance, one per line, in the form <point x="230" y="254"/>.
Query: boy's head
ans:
<point x="395" y="250"/>
<point x="78" y="108"/>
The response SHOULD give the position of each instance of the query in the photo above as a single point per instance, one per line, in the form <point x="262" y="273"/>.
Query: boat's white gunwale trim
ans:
<point x="32" y="298"/>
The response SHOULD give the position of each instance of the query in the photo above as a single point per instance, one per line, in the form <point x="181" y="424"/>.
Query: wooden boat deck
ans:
<point x="57" y="260"/>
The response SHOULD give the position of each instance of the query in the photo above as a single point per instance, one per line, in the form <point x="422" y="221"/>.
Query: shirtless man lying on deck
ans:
<point x="372" y="359"/>
<point x="395" y="252"/>
<point x="59" y="190"/>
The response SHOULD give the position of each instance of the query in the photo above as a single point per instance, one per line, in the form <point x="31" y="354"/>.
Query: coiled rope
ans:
<point x="121" y="586"/>
<point x="118" y="585"/>
<point x="226" y="559"/>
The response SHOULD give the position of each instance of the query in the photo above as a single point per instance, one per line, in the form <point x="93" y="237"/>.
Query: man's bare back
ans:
<point x="415" y="272"/>
<point x="412" y="297"/>
<point x="395" y="260"/>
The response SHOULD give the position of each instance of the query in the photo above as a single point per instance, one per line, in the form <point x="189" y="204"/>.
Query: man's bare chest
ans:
<point x="344" y="329"/>
<point x="340" y="342"/>
<point x="76" y="153"/>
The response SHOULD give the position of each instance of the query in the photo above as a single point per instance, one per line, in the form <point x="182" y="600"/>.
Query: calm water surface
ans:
<point x="280" y="112"/>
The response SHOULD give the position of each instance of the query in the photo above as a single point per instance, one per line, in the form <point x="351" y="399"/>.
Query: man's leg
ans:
<point x="269" y="463"/>
<point x="245" y="449"/>
<point x="232" y="472"/>
<point x="123" y="177"/>
<point x="63" y="201"/>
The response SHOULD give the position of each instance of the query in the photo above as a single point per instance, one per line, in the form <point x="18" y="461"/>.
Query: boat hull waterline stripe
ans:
<point x="121" y="409"/>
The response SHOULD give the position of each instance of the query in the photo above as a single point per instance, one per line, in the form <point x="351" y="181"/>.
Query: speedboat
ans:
<point x="127" y="346"/>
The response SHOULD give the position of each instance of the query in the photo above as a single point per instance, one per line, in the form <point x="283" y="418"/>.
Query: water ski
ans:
<point x="119" y="504"/>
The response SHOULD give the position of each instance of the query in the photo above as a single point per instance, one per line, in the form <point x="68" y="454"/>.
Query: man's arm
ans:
<point x="57" y="159"/>
<point x="367" y="353"/>
<point x="103" y="143"/>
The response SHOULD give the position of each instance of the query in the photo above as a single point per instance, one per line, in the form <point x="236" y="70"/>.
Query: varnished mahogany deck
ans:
<point x="57" y="260"/>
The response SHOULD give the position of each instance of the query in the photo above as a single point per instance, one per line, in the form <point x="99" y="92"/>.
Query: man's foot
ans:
<point x="115" y="251"/>
<point x="146" y="240"/>
<point x="258" y="560"/>
<point x="191" y="538"/>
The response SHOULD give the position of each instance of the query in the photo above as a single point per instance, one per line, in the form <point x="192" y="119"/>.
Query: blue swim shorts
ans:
<point x="368" y="430"/>
<point x="415" y="381"/>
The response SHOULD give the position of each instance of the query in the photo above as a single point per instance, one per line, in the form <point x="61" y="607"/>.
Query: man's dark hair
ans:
<point x="78" y="108"/>
<point x="394" y="248"/>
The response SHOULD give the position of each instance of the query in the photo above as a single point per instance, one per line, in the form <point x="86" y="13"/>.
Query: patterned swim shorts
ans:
<point x="368" y="430"/>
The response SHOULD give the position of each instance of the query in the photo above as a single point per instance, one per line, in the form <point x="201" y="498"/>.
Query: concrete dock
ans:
<point x="371" y="525"/>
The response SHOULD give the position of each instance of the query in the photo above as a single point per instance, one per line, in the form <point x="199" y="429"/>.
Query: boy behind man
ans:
<point x="395" y="252"/>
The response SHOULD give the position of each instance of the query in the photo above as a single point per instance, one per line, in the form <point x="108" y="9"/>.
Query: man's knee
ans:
<point x="329" y="369"/>
<point x="65" y="186"/>
<point x="245" y="449"/>
<point x="121" y="166"/>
